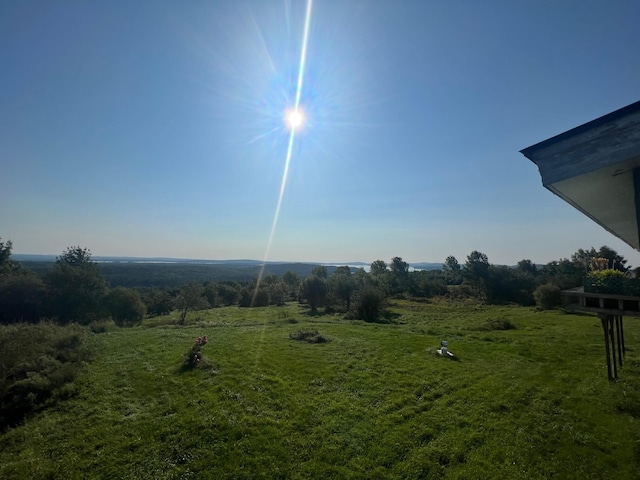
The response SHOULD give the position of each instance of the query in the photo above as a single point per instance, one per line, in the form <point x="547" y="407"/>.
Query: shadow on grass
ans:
<point x="579" y="314"/>
<point x="317" y="313"/>
<point x="186" y="367"/>
<point x="203" y="365"/>
<point x="387" y="317"/>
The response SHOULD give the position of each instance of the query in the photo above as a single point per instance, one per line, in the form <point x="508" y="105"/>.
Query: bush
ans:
<point x="368" y="304"/>
<point x="250" y="298"/>
<point x="158" y="302"/>
<point x="125" y="307"/>
<point x="314" y="290"/>
<point x="609" y="272"/>
<point x="37" y="365"/>
<point x="547" y="297"/>
<point x="22" y="296"/>
<point x="497" y="324"/>
<point x="310" y="336"/>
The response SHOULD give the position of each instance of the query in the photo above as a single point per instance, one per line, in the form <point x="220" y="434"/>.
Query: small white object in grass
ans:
<point x="444" y="352"/>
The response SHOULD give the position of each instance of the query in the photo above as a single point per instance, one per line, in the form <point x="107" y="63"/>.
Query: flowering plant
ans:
<point x="194" y="357"/>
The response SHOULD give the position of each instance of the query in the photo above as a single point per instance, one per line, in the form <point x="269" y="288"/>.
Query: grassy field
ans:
<point x="375" y="401"/>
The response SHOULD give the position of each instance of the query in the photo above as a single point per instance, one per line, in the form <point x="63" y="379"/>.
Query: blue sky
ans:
<point x="157" y="128"/>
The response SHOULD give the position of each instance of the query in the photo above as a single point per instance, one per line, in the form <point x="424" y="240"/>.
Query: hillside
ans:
<point x="375" y="401"/>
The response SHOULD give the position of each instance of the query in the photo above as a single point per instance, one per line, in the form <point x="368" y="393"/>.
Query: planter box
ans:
<point x="613" y="285"/>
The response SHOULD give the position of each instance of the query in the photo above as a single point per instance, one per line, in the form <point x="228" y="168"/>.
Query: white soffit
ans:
<point x="607" y="196"/>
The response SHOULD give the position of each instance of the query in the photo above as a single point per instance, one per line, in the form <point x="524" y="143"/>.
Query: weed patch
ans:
<point x="37" y="365"/>
<point x="497" y="324"/>
<point x="309" y="336"/>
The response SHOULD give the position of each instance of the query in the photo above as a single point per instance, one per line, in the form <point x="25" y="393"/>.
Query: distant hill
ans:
<point x="165" y="272"/>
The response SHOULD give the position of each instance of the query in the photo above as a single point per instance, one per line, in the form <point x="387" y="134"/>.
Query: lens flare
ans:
<point x="295" y="120"/>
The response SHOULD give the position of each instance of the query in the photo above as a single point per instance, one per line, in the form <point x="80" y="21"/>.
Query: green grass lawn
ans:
<point x="376" y="401"/>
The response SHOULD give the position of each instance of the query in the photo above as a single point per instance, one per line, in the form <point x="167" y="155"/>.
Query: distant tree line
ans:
<point x="175" y="275"/>
<point x="74" y="289"/>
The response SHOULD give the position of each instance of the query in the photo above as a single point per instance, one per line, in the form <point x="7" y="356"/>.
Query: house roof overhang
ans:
<point x="596" y="168"/>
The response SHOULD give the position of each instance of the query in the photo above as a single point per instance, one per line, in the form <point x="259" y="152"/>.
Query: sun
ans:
<point x="295" y="119"/>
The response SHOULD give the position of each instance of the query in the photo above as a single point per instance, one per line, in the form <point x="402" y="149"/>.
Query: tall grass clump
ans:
<point x="497" y="324"/>
<point x="37" y="365"/>
<point x="309" y="336"/>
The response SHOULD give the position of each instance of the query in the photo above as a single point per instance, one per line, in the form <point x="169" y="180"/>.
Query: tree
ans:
<point x="399" y="267"/>
<point x="477" y="265"/>
<point x="7" y="265"/>
<point x="427" y="284"/>
<point x="76" y="286"/>
<point x="584" y="258"/>
<point x="368" y="303"/>
<point x="379" y="267"/>
<point x="227" y="293"/>
<point x="291" y="282"/>
<point x="452" y="271"/>
<point x="342" y="270"/>
<point x="125" y="306"/>
<point x="253" y="296"/>
<point x="510" y="285"/>
<point x="319" y="271"/>
<point x="290" y="278"/>
<point x="563" y="273"/>
<point x="314" y="290"/>
<point x="22" y="296"/>
<point x="341" y="288"/>
<point x="399" y="276"/>
<point x="527" y="266"/>
<point x="476" y="270"/>
<point x="158" y="302"/>
<point x="270" y="279"/>
<point x="616" y="261"/>
<point x="277" y="293"/>
<point x="190" y="299"/>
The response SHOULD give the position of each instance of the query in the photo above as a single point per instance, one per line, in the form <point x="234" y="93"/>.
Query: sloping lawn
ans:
<point x="375" y="401"/>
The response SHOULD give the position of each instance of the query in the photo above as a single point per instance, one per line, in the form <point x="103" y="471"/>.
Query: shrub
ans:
<point x="612" y="281"/>
<point x="547" y="297"/>
<point x="101" y="326"/>
<point x="609" y="272"/>
<point x="22" y="296"/>
<point x="497" y="324"/>
<point x="314" y="290"/>
<point x="37" y="365"/>
<point x="194" y="357"/>
<point x="125" y="306"/>
<point x="310" y="336"/>
<point x="158" y="302"/>
<point x="249" y="297"/>
<point x="368" y="304"/>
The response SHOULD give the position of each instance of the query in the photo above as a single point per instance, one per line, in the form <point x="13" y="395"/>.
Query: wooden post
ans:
<point x="605" y="319"/>
<point x="624" y="349"/>
<point x="618" y="319"/>
<point x="613" y="346"/>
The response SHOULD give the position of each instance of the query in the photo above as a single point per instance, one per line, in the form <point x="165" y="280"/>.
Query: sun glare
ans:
<point x="295" y="119"/>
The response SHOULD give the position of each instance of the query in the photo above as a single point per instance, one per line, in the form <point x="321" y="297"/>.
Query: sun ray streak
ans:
<point x="285" y="173"/>
<point x="262" y="135"/>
